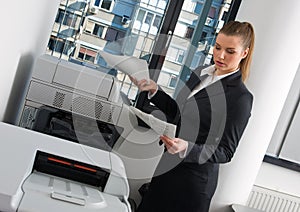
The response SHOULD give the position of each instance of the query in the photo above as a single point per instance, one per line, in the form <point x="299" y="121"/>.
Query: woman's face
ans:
<point x="228" y="53"/>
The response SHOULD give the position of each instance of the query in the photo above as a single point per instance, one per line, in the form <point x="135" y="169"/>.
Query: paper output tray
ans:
<point x="43" y="192"/>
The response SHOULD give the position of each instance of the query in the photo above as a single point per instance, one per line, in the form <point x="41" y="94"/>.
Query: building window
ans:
<point x="149" y="18"/>
<point x="89" y="28"/>
<point x="175" y="55"/>
<point x="141" y="15"/>
<point x="94" y="29"/>
<point x="189" y="6"/>
<point x="98" y="30"/>
<point x="56" y="44"/>
<point x="114" y="35"/>
<point x="153" y="2"/>
<point x="87" y="54"/>
<point x="61" y="45"/>
<point x="139" y="19"/>
<point x="198" y="8"/>
<point x="59" y="16"/>
<point x="156" y="21"/>
<point x="104" y="4"/>
<point x="180" y="56"/>
<point x="173" y="80"/>
<point x="212" y="12"/>
<point x="189" y="32"/>
<point x="162" y="4"/>
<point x="66" y="18"/>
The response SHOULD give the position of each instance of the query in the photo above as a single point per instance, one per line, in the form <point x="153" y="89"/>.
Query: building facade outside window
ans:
<point x="80" y="34"/>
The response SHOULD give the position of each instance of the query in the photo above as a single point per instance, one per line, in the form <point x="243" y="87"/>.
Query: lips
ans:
<point x="218" y="63"/>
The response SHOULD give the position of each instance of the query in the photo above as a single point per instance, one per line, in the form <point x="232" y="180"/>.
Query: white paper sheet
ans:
<point x="137" y="68"/>
<point x="159" y="126"/>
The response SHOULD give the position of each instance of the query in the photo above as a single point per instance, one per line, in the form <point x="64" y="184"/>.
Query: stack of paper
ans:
<point x="130" y="65"/>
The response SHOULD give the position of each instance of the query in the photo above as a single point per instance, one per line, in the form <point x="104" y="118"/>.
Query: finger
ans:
<point x="142" y="83"/>
<point x="170" y="149"/>
<point x="167" y="143"/>
<point x="167" y="140"/>
<point x="168" y="146"/>
<point x="133" y="79"/>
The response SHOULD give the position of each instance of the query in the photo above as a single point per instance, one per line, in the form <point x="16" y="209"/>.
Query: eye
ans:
<point x="217" y="47"/>
<point x="230" y="51"/>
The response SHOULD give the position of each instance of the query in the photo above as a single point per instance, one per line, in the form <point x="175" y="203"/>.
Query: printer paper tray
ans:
<point x="43" y="192"/>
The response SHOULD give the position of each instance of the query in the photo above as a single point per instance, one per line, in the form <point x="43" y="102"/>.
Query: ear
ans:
<point x="245" y="53"/>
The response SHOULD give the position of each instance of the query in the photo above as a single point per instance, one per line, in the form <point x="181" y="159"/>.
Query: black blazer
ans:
<point x="212" y="121"/>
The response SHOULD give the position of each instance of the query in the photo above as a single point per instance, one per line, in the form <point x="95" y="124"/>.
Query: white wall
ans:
<point x="279" y="179"/>
<point x="275" y="63"/>
<point x="25" y="30"/>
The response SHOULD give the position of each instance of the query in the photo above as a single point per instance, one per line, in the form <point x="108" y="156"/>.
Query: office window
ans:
<point x="103" y="30"/>
<point x="284" y="147"/>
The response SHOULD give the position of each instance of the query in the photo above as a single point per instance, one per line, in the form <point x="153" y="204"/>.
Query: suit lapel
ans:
<point x="187" y="88"/>
<point x="216" y="88"/>
<point x="219" y="87"/>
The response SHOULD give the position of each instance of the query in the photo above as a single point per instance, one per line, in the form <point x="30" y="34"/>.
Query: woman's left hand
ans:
<point x="174" y="145"/>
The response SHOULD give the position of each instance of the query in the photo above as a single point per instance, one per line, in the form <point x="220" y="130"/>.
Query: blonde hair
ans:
<point x="246" y="32"/>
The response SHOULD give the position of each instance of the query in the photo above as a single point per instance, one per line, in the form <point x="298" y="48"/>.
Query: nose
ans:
<point x="222" y="55"/>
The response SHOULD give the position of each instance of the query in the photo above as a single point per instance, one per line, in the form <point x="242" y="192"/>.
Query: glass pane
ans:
<point x="124" y="27"/>
<point x="106" y="4"/>
<point x="191" y="44"/>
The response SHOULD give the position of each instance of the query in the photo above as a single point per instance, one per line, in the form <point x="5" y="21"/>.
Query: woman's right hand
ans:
<point x="144" y="85"/>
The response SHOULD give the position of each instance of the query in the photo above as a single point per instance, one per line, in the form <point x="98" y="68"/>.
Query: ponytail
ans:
<point x="246" y="32"/>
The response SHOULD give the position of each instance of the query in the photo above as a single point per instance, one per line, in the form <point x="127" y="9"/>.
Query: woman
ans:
<point x="211" y="115"/>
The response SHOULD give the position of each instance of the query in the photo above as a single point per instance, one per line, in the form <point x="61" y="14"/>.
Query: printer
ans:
<point x="85" y="106"/>
<point x="44" y="173"/>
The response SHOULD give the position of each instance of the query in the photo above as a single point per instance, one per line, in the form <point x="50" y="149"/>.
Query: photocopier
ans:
<point x="86" y="108"/>
<point x="41" y="173"/>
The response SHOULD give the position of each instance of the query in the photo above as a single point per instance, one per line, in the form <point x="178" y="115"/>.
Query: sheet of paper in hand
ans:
<point x="159" y="126"/>
<point x="135" y="67"/>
